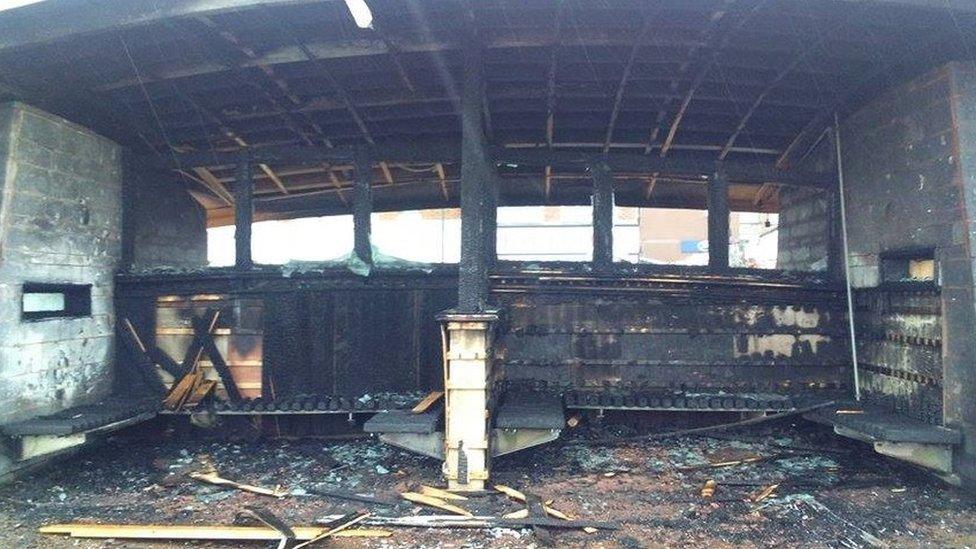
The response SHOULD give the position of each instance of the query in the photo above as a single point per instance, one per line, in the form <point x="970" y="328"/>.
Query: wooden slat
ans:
<point x="196" y="532"/>
<point x="427" y="402"/>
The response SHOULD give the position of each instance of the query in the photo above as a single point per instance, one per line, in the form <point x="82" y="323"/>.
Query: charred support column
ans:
<point x="602" y="216"/>
<point x="362" y="207"/>
<point x="243" y="211"/>
<point x="477" y="178"/>
<point x="491" y="220"/>
<point x="718" y="222"/>
<point x="467" y="331"/>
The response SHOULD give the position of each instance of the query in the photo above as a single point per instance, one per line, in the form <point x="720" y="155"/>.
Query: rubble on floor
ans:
<point x="771" y="485"/>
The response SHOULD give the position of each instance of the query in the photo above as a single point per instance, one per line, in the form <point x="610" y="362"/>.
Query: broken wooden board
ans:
<point x="708" y="490"/>
<point x="198" y="532"/>
<point x="456" y="521"/>
<point x="435" y="502"/>
<point x="519" y="514"/>
<point x="179" y="393"/>
<point x="213" y="478"/>
<point x="341" y="494"/>
<point x="200" y="392"/>
<point x="763" y="493"/>
<point x="343" y="525"/>
<point x="427" y="402"/>
<point x="520" y="497"/>
<point x="441" y="494"/>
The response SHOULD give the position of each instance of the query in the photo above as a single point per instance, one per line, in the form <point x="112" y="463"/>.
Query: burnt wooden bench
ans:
<point x="74" y="426"/>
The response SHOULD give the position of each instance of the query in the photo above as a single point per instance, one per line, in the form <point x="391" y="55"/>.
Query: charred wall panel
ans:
<point x="900" y="174"/>
<point x="341" y="334"/>
<point x="330" y="334"/>
<point x="675" y="335"/>
<point x="899" y="340"/>
<point x="904" y="200"/>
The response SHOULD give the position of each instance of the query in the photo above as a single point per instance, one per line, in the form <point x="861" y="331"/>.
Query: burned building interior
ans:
<point x="129" y="129"/>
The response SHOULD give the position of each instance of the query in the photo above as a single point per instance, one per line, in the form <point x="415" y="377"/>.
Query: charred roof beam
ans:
<point x="721" y="36"/>
<point x="433" y="152"/>
<point x="780" y="76"/>
<point x="624" y="77"/>
<point x="550" y="128"/>
<point x="48" y="22"/>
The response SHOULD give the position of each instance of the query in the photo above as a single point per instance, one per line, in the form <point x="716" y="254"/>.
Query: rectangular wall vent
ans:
<point x="41" y="301"/>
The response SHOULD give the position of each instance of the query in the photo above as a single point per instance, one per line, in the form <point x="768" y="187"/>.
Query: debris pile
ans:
<point x="751" y="487"/>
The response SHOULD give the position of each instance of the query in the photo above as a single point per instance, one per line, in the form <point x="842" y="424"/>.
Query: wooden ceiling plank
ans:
<point x="273" y="177"/>
<point x="442" y="179"/>
<point x="214" y="185"/>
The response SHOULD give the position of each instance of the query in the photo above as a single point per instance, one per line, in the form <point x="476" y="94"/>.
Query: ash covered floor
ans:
<point x="832" y="492"/>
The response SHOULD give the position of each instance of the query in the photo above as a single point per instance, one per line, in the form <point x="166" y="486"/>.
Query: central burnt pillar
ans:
<point x="602" y="216"/>
<point x="467" y="330"/>
<point x="243" y="211"/>
<point x="718" y="222"/>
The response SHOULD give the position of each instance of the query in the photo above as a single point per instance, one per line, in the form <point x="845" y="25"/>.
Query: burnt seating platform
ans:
<point x="877" y="424"/>
<point x="516" y="410"/>
<point x="404" y="421"/>
<point x="309" y="404"/>
<point x="679" y="401"/>
<point x="529" y="410"/>
<point x="106" y="415"/>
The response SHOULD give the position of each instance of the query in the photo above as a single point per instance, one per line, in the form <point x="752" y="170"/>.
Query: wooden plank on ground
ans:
<point x="214" y="478"/>
<point x="197" y="532"/>
<point x="335" y="529"/>
<point x="440" y="494"/>
<point x="427" y="402"/>
<point x="435" y="502"/>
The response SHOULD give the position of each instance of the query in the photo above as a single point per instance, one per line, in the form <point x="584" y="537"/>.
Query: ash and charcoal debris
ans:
<point x="641" y="485"/>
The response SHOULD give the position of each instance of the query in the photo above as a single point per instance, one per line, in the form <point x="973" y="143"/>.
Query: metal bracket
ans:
<point x="937" y="457"/>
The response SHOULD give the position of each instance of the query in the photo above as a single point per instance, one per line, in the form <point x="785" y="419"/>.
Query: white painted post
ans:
<point x="467" y="397"/>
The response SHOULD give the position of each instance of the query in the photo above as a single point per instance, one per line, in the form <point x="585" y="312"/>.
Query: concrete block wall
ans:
<point x="60" y="222"/>
<point x="900" y="174"/>
<point x="803" y="229"/>
<point x="958" y="265"/>
<point x="164" y="226"/>
<point x="910" y="162"/>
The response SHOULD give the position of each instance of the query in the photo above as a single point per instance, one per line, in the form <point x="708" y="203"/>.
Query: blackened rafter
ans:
<point x="725" y="24"/>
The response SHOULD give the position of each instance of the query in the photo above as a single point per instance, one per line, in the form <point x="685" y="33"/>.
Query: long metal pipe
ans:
<point x="847" y="266"/>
